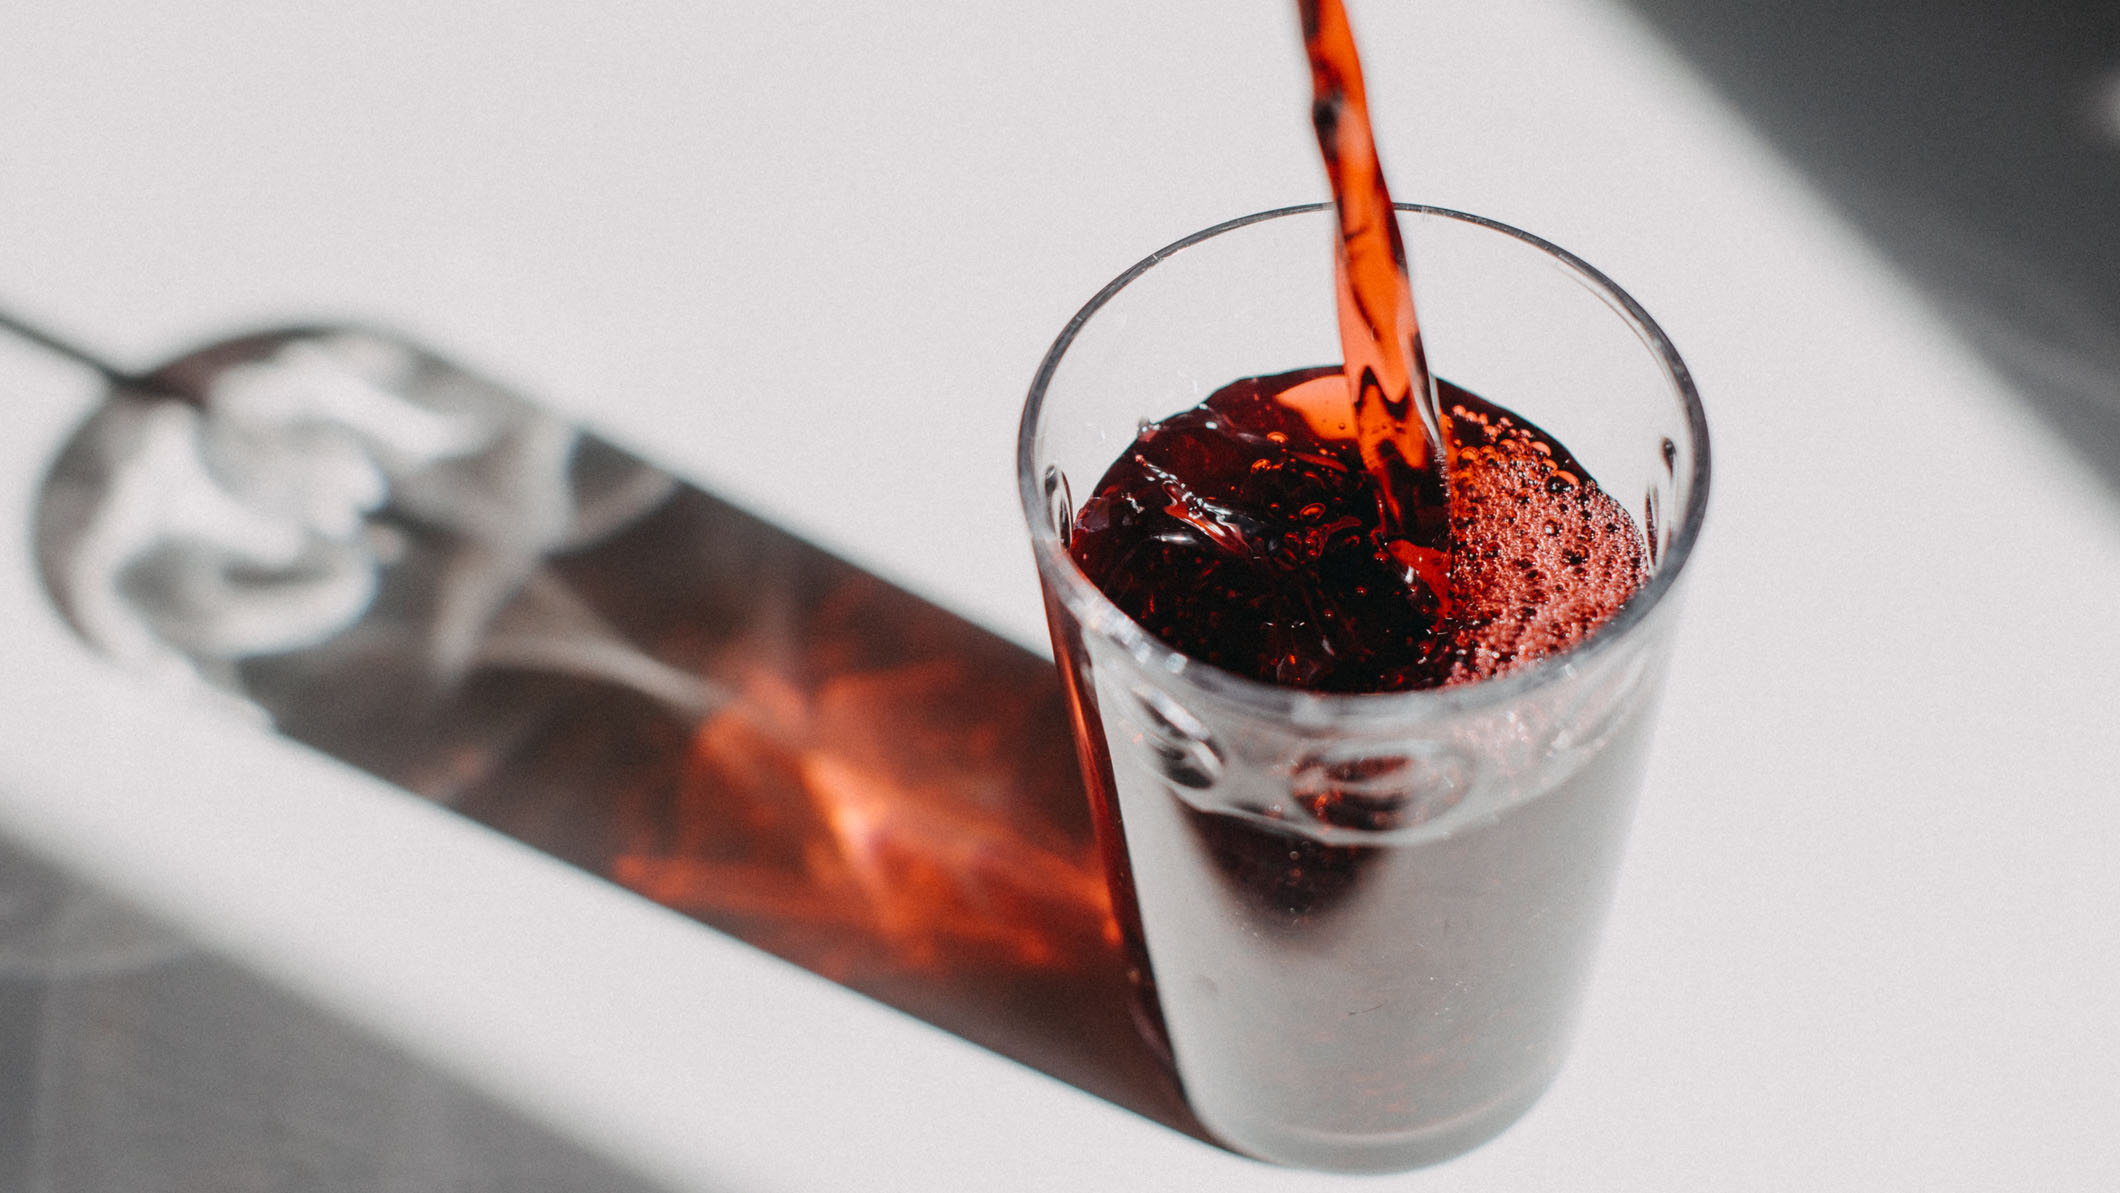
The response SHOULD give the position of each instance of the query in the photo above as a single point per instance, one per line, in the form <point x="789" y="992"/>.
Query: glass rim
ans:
<point x="1098" y="614"/>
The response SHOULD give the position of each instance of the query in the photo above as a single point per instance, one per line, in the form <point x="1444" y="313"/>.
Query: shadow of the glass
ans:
<point x="423" y="575"/>
<point x="887" y="794"/>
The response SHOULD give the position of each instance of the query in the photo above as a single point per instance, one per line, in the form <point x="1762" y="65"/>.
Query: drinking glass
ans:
<point x="1387" y="989"/>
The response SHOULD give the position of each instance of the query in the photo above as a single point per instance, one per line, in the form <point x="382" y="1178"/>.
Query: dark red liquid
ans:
<point x="1247" y="533"/>
<point x="1360" y="527"/>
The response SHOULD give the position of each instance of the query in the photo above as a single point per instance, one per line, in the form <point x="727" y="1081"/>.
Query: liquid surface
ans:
<point x="1247" y="533"/>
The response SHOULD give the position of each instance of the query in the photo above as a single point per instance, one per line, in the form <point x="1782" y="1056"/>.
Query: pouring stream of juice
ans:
<point x="1397" y="424"/>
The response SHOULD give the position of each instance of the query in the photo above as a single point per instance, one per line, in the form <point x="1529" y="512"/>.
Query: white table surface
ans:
<point x="810" y="255"/>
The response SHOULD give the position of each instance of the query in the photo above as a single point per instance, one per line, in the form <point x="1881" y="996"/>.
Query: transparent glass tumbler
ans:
<point x="1388" y="994"/>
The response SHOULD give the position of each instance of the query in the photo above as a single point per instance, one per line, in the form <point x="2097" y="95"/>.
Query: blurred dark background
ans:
<point x="1978" y="143"/>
